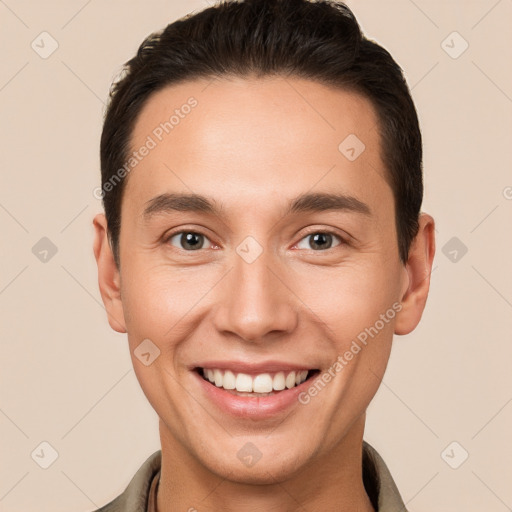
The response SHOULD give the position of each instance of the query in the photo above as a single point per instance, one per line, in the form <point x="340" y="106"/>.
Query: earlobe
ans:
<point x="108" y="275"/>
<point x="417" y="280"/>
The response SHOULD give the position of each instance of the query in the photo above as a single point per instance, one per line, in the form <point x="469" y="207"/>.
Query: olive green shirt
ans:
<point x="140" y="495"/>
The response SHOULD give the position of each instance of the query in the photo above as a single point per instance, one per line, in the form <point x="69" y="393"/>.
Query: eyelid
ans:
<point x="170" y="234"/>
<point x="344" y="240"/>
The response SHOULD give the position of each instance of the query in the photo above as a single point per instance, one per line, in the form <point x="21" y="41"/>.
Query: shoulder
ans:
<point x="135" y="496"/>
<point x="380" y="482"/>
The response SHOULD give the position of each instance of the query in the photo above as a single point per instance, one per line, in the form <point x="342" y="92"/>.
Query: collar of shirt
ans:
<point x="140" y="495"/>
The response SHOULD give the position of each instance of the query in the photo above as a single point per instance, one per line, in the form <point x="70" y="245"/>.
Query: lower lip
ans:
<point x="252" y="407"/>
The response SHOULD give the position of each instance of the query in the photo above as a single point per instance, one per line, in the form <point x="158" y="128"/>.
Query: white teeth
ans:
<point x="217" y="375"/>
<point x="263" y="383"/>
<point x="229" y="381"/>
<point x="290" y="380"/>
<point x="243" y="382"/>
<point x="279" y="381"/>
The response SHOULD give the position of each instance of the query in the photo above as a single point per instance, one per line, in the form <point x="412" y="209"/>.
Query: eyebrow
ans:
<point x="309" y="202"/>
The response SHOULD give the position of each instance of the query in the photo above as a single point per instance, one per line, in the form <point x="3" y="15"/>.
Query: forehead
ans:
<point x="260" y="138"/>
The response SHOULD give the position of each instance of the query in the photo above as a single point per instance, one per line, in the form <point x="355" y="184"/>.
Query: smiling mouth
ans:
<point x="260" y="385"/>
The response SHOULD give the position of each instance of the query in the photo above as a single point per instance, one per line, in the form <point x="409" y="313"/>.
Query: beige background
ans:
<point x="67" y="378"/>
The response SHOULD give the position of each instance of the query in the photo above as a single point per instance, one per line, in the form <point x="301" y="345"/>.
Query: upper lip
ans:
<point x="253" y="368"/>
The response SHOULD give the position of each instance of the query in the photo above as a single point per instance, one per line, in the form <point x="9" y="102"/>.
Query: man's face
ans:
<point x="255" y="288"/>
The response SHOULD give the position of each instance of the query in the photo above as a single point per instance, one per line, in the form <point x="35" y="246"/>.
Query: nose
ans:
<point x="255" y="302"/>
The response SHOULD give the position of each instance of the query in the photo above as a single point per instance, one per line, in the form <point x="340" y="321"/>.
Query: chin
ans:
<point x="279" y="465"/>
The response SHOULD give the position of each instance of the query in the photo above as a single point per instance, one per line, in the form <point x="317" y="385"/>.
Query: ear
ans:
<point x="417" y="276"/>
<point x="108" y="275"/>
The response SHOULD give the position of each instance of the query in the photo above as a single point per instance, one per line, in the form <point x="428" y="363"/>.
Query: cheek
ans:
<point x="154" y="299"/>
<point x="165" y="303"/>
<point x="351" y="298"/>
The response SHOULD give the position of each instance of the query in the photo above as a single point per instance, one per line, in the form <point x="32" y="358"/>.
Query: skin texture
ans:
<point x="252" y="145"/>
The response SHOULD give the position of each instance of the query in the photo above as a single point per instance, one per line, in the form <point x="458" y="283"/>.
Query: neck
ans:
<point x="332" y="482"/>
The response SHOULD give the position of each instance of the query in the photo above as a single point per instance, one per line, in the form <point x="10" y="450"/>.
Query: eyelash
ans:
<point x="343" y="241"/>
<point x="334" y="234"/>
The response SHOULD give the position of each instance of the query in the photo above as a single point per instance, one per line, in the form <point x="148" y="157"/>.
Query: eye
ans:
<point x="189" y="240"/>
<point x="320" y="240"/>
